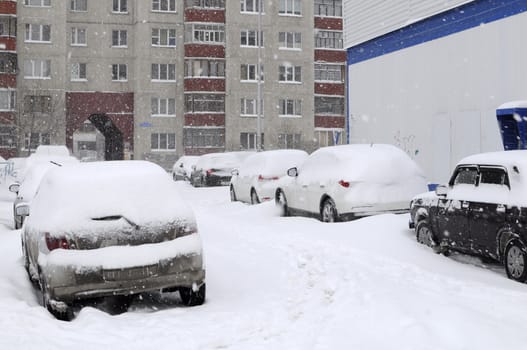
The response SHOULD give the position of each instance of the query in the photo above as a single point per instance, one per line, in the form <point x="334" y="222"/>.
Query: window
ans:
<point x="290" y="7"/>
<point x="466" y="175"/>
<point x="204" y="103"/>
<point x="251" y="6"/>
<point x="204" y="137"/>
<point x="205" y="33"/>
<point x="163" y="142"/>
<point x="248" y="72"/>
<point x="78" y="36"/>
<point x="119" y="38"/>
<point x="38" y="33"/>
<point x="290" y="74"/>
<point x="8" y="26"/>
<point x="37" y="3"/>
<point x="328" y="137"/>
<point x="37" y="104"/>
<point x="8" y="64"/>
<point x="325" y="105"/>
<point x="289" y="141"/>
<point x="211" y="4"/>
<point x="78" y="72"/>
<point x="493" y="176"/>
<point x="325" y="39"/>
<point x="328" y="8"/>
<point x="120" y="6"/>
<point x="37" y="69"/>
<point x="248" y="107"/>
<point x="7" y="136"/>
<point x="119" y="72"/>
<point x="79" y="5"/>
<point x="164" y="37"/>
<point x="163" y="72"/>
<point x="248" y="140"/>
<point x="289" y="107"/>
<point x="35" y="139"/>
<point x="329" y="72"/>
<point x="163" y="107"/>
<point x="7" y="100"/>
<point x="290" y="40"/>
<point x="164" y="5"/>
<point x="204" y="68"/>
<point x="250" y="38"/>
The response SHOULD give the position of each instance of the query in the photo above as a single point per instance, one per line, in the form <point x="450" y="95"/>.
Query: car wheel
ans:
<point x="254" y="197"/>
<point x="174" y="177"/>
<point x="117" y="304"/>
<point x="233" y="194"/>
<point x="189" y="297"/>
<point x="329" y="211"/>
<point x="515" y="261"/>
<point x="17" y="223"/>
<point x="281" y="202"/>
<point x="60" y="310"/>
<point x="423" y="234"/>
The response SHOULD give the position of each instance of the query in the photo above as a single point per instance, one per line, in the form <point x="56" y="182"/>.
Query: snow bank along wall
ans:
<point x="431" y="86"/>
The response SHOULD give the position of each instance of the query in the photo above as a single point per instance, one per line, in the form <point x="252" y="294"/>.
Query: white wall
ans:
<point x="364" y="20"/>
<point x="438" y="100"/>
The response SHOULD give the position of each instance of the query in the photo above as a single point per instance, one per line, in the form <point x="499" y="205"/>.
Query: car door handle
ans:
<point x="464" y="205"/>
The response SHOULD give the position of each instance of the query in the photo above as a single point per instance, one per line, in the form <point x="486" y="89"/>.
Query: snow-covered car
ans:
<point x="183" y="167"/>
<point x="257" y="177"/>
<point x="215" y="169"/>
<point x="111" y="229"/>
<point x="482" y="211"/>
<point x="351" y="181"/>
<point x="36" y="166"/>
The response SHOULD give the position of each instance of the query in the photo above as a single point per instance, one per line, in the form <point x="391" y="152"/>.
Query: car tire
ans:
<point x="515" y="261"/>
<point x="64" y="313"/>
<point x="328" y="213"/>
<point x="233" y="194"/>
<point x="254" y="197"/>
<point x="189" y="297"/>
<point x="281" y="202"/>
<point x="424" y="235"/>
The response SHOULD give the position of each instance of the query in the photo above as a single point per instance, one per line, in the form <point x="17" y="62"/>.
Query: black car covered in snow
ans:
<point x="482" y="211"/>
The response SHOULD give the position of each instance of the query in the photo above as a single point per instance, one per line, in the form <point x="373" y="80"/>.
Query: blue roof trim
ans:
<point x="449" y="22"/>
<point x="509" y="111"/>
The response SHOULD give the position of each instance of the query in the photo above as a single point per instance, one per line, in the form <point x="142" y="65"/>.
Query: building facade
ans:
<point x="431" y="76"/>
<point x="156" y="79"/>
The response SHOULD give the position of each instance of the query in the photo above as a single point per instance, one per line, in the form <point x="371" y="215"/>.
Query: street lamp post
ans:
<point x="259" y="82"/>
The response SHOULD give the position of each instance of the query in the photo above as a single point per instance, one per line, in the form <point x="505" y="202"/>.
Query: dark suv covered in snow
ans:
<point x="482" y="211"/>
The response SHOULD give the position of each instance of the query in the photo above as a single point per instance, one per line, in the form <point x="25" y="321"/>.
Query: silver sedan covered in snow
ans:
<point x="111" y="229"/>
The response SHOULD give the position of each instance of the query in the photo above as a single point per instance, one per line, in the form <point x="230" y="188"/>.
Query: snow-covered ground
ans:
<point x="287" y="283"/>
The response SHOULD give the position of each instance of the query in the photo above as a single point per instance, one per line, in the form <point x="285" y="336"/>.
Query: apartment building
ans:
<point x="156" y="79"/>
<point x="8" y="79"/>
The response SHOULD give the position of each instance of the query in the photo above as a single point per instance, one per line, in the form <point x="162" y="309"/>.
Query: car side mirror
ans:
<point x="293" y="172"/>
<point x="441" y="190"/>
<point x="235" y="172"/>
<point x="22" y="210"/>
<point x="15" y="187"/>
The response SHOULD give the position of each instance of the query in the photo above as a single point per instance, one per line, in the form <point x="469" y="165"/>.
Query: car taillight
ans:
<point x="56" y="242"/>
<point x="267" y="178"/>
<point x="210" y="171"/>
<point x="344" y="184"/>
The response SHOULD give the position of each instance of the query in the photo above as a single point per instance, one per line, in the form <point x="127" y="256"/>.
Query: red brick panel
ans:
<point x="329" y="89"/>
<point x="8" y="81"/>
<point x="204" y="119"/>
<point x="8" y="7"/>
<point x="328" y="23"/>
<point x="8" y="43"/>
<point x="203" y="50"/>
<point x="119" y="107"/>
<point x="330" y="56"/>
<point x="201" y="15"/>
<point x="7" y="117"/>
<point x="203" y="84"/>
<point x="329" y="122"/>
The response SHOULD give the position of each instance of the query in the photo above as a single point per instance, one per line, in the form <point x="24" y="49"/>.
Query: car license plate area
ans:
<point x="133" y="273"/>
